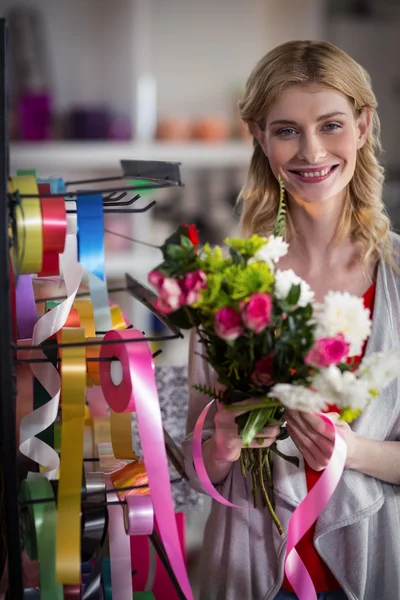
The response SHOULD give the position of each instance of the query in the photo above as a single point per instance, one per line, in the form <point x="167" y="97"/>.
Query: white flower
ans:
<point x="297" y="397"/>
<point x="283" y="283"/>
<point x="379" y="369"/>
<point x="343" y="313"/>
<point x="345" y="390"/>
<point x="271" y="252"/>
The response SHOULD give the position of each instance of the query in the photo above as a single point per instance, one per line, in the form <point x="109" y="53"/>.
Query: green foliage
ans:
<point x="246" y="247"/>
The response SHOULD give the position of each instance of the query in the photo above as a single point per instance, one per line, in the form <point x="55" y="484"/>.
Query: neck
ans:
<point x="315" y="228"/>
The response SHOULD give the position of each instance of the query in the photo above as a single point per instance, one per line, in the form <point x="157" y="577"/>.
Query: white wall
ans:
<point x="200" y="52"/>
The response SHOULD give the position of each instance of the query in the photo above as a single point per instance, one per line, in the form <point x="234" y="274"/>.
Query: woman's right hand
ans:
<point x="227" y="441"/>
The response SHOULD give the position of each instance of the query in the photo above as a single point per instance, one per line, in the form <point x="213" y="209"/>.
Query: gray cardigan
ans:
<point x="358" y="533"/>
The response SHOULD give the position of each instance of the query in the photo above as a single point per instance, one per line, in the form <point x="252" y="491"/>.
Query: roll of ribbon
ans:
<point x="138" y="515"/>
<point x="72" y="592"/>
<point x="138" y="391"/>
<point x="28" y="216"/>
<point x="13" y="302"/>
<point x="96" y="487"/>
<point x="121" y="435"/>
<point x="90" y="219"/>
<point x="39" y="534"/>
<point x="132" y="474"/>
<point x="117" y="317"/>
<point x="51" y="265"/>
<point x="54" y="223"/>
<point x="26" y="307"/>
<point x="94" y="525"/>
<point x="73" y="379"/>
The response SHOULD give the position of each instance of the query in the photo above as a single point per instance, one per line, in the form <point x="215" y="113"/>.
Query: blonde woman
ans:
<point x="312" y="113"/>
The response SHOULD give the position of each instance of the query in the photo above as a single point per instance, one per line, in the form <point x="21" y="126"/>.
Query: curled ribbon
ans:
<point x="199" y="463"/>
<point x="308" y="512"/>
<point x="138" y="392"/>
<point x="48" y="325"/>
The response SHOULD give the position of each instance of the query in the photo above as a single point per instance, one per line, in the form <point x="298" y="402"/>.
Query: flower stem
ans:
<point x="250" y="407"/>
<point x="265" y="495"/>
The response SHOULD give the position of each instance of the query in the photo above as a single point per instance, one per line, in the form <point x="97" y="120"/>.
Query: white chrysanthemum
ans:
<point x="298" y="397"/>
<point x="271" y="252"/>
<point x="343" y="313"/>
<point x="379" y="369"/>
<point x="345" y="390"/>
<point x="283" y="283"/>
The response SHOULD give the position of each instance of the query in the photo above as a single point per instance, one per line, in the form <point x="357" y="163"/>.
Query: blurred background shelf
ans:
<point x="75" y="156"/>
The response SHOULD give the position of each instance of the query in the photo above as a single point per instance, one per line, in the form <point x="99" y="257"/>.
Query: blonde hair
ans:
<point x="302" y="62"/>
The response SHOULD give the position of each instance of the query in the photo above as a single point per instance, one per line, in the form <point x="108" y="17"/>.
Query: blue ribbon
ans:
<point x="57" y="185"/>
<point x="90" y="225"/>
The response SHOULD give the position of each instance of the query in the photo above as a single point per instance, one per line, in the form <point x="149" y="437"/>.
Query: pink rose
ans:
<point x="262" y="374"/>
<point x="193" y="283"/>
<point x="327" y="351"/>
<point x="257" y="312"/>
<point x="170" y="296"/>
<point x="228" y="323"/>
<point x="155" y="278"/>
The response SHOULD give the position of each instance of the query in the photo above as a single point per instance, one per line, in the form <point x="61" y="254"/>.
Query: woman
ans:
<point x="312" y="114"/>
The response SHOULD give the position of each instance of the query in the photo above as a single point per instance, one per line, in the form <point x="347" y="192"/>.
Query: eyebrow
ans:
<point x="321" y="118"/>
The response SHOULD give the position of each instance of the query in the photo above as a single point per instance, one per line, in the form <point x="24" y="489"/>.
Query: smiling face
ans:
<point x="311" y="138"/>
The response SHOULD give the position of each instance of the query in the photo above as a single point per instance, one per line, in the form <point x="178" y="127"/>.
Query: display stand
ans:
<point x="8" y="442"/>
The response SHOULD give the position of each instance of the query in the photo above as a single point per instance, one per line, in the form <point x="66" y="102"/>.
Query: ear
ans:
<point x="259" y="134"/>
<point x="363" y="124"/>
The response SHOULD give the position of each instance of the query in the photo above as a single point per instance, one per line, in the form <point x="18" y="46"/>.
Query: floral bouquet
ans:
<point x="266" y="338"/>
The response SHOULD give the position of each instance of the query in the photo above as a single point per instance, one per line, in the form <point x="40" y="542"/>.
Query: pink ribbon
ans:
<point x="120" y="548"/>
<point x="138" y="392"/>
<point x="305" y="514"/>
<point x="308" y="512"/>
<point x="199" y="462"/>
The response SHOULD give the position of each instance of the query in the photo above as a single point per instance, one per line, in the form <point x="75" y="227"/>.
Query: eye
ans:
<point x="332" y="126"/>
<point x="286" y="132"/>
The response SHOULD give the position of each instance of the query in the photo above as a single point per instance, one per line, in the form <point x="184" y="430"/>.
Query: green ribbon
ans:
<point x="39" y="534"/>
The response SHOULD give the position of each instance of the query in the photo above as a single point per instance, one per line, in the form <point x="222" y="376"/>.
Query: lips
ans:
<point x="314" y="175"/>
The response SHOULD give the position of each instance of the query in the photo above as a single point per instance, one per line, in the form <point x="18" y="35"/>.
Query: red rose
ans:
<point x="192" y="233"/>
<point x="262" y="374"/>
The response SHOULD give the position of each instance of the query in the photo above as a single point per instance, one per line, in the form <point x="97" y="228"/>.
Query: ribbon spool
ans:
<point x="86" y="316"/>
<point x="39" y="534"/>
<point x="54" y="229"/>
<point x="25" y="307"/>
<point x="28" y="215"/>
<point x="138" y="515"/>
<point x="73" y="380"/>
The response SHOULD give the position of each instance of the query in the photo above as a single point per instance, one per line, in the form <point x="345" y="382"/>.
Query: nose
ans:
<point x="311" y="148"/>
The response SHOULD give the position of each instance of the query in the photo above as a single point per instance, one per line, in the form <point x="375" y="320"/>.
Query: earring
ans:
<point x="280" y="223"/>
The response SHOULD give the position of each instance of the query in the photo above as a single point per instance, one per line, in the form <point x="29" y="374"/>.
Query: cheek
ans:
<point x="280" y="153"/>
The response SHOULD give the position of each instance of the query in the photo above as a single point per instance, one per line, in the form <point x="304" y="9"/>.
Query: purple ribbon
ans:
<point x="26" y="307"/>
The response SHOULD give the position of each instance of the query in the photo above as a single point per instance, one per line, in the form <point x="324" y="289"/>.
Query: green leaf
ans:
<point x="255" y="423"/>
<point x="174" y="251"/>
<point x="186" y="243"/>
<point x="294" y="295"/>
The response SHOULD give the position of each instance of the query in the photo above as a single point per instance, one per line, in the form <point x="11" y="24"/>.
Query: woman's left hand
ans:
<point x="315" y="439"/>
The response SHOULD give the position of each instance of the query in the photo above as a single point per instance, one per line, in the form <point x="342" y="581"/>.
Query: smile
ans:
<point x="314" y="175"/>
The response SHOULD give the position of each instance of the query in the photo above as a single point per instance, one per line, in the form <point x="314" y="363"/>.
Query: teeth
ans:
<point x="315" y="173"/>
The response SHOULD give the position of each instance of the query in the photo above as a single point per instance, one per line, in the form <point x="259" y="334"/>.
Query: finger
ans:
<point x="305" y="452"/>
<point x="318" y="446"/>
<point x="266" y="443"/>
<point x="268" y="432"/>
<point x="311" y="422"/>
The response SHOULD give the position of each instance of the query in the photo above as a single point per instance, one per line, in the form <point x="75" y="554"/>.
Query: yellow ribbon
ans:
<point x="117" y="318"/>
<point x="121" y="435"/>
<point x="73" y="387"/>
<point x="86" y="316"/>
<point x="29" y="226"/>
